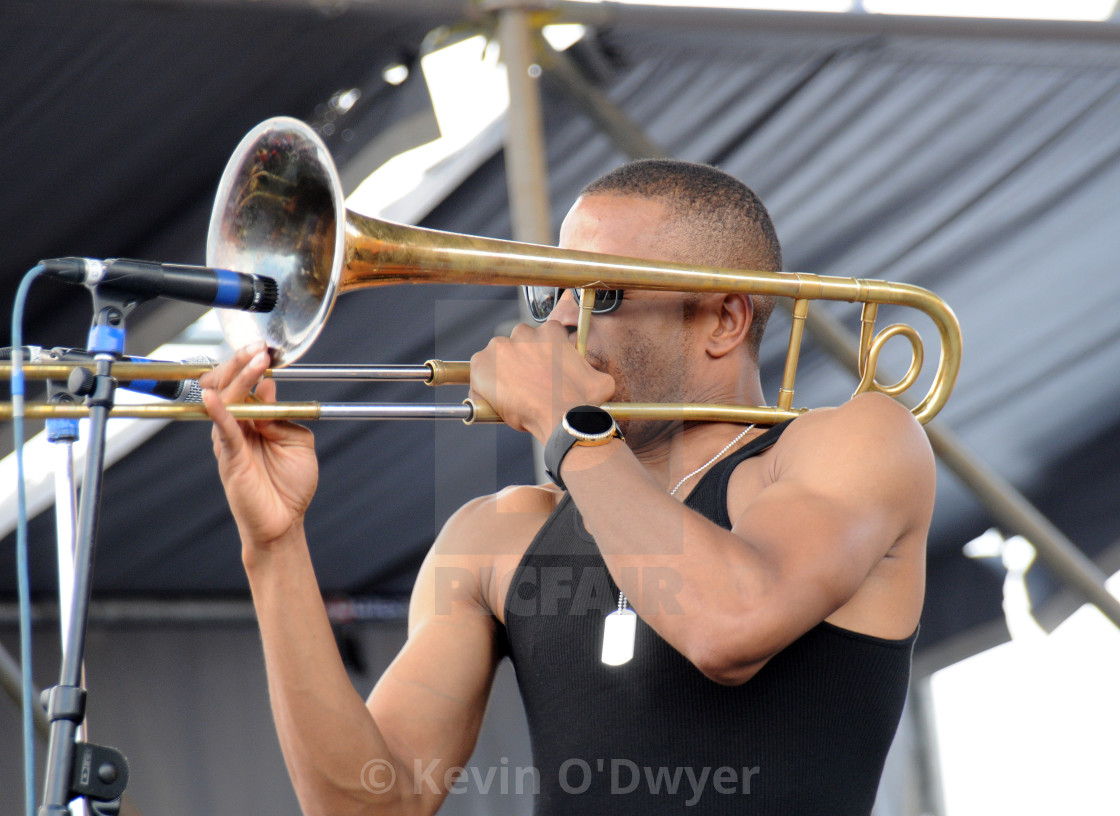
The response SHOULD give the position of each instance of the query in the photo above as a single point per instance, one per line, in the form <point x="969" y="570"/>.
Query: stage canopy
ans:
<point x="978" y="159"/>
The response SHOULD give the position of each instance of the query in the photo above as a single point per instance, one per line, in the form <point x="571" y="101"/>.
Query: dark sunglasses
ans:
<point x="541" y="300"/>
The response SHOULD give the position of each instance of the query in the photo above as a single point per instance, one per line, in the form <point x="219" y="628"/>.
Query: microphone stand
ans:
<point x="77" y="769"/>
<point x="63" y="433"/>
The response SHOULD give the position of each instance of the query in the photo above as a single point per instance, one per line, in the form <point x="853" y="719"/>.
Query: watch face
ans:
<point x="590" y="420"/>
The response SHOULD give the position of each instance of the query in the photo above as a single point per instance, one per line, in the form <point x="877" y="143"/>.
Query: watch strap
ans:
<point x="555" y="450"/>
<point x="566" y="434"/>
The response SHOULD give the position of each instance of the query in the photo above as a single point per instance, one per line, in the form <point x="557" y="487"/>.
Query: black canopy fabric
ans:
<point x="981" y="166"/>
<point x="118" y="117"/>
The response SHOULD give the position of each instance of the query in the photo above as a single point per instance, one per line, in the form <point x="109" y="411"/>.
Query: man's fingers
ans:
<point x="234" y="382"/>
<point x="226" y="435"/>
<point x="235" y="372"/>
<point x="245" y="377"/>
<point x="266" y="391"/>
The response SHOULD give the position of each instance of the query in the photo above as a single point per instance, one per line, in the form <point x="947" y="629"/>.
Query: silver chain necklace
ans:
<point x="713" y="460"/>
<point x="620" y="625"/>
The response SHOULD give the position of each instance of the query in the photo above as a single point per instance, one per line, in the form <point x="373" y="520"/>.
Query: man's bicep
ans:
<point x="848" y="487"/>
<point x="854" y="479"/>
<point x="814" y="550"/>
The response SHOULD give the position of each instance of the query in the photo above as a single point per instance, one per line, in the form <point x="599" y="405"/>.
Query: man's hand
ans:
<point x="268" y="468"/>
<point x="533" y="376"/>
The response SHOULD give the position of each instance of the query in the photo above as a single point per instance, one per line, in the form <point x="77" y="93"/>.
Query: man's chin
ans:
<point x="596" y="360"/>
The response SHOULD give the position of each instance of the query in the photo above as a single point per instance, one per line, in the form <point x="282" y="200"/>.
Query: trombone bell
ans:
<point x="279" y="211"/>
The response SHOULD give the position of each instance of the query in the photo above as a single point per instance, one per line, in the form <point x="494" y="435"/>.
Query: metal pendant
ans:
<point x="619" y="630"/>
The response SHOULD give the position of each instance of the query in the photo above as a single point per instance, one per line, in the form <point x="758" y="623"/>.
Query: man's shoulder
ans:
<point x="499" y="523"/>
<point x="515" y="499"/>
<point x="871" y="427"/>
<point x="870" y="416"/>
<point x="872" y="407"/>
<point x="487" y="539"/>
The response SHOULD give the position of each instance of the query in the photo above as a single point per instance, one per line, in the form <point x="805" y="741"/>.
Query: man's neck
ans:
<point x="672" y="450"/>
<point x="670" y="457"/>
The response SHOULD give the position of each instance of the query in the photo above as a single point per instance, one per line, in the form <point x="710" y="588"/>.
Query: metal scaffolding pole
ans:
<point x="526" y="164"/>
<point x="526" y="167"/>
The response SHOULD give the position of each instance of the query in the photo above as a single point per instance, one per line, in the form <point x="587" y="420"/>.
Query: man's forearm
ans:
<point x="326" y="733"/>
<point x="688" y="579"/>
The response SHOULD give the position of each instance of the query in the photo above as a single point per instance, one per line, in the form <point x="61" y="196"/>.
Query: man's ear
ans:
<point x="733" y="315"/>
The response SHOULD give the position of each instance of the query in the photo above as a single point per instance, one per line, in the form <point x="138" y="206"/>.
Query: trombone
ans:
<point x="279" y="212"/>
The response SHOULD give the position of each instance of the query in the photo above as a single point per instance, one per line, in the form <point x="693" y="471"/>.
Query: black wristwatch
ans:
<point x="586" y="425"/>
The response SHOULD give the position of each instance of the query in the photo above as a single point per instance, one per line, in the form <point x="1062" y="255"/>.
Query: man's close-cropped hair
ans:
<point x="723" y="223"/>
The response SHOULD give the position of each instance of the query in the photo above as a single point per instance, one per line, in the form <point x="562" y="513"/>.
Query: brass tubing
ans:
<point x="793" y="353"/>
<point x="866" y="332"/>
<point x="700" y="412"/>
<point x="583" y="325"/>
<point x="444" y="372"/>
<point x="122" y="371"/>
<point x="871" y="363"/>
<point x="168" y="410"/>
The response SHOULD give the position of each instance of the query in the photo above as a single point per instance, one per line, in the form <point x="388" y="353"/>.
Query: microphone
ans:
<point x="222" y="288"/>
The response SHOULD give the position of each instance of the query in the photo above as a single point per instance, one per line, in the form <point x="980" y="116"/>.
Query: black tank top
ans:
<point x="806" y="735"/>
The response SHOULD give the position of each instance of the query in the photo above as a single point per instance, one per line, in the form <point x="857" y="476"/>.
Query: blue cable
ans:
<point x="22" y="570"/>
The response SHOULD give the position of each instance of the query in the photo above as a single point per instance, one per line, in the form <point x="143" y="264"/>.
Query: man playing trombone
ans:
<point x="731" y="607"/>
